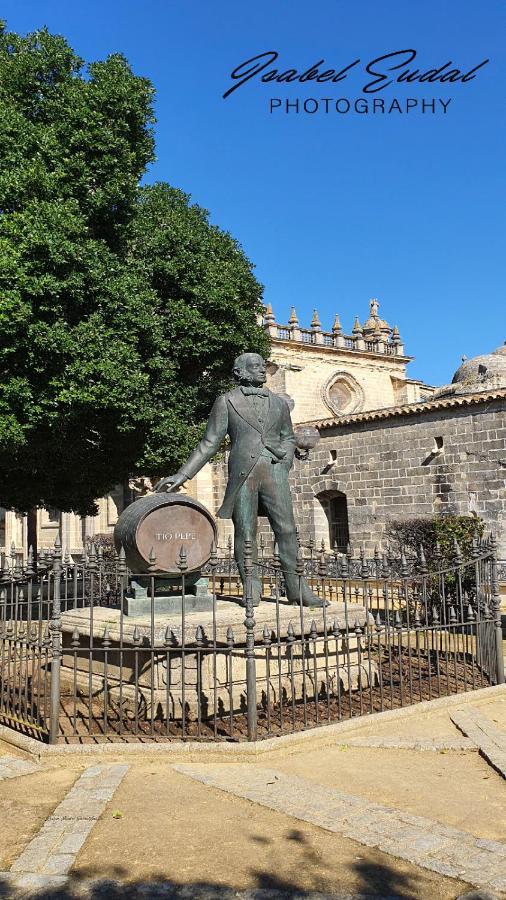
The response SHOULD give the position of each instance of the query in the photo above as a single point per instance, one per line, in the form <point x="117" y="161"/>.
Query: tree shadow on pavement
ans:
<point x="370" y="881"/>
<point x="106" y="889"/>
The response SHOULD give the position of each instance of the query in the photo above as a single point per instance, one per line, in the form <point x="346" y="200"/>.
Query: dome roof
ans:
<point x="374" y="323"/>
<point x="481" y="373"/>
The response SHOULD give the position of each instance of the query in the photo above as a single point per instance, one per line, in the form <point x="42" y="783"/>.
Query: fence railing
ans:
<point x="92" y="652"/>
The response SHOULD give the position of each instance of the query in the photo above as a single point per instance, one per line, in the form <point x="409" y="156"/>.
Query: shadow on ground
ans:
<point x="375" y="882"/>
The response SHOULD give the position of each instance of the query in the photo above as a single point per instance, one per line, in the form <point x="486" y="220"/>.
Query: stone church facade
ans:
<point x="390" y="447"/>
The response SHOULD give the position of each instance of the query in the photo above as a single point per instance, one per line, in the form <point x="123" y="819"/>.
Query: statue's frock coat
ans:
<point x="233" y="414"/>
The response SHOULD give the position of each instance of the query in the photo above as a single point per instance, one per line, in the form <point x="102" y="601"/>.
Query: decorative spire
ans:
<point x="358" y="335"/>
<point x="315" y="321"/>
<point x="293" y="320"/>
<point x="270" y="322"/>
<point x="269" y="315"/>
<point x="397" y="342"/>
<point x="336" y="328"/>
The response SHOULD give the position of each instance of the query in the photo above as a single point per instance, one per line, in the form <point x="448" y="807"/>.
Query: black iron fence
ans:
<point x="92" y="652"/>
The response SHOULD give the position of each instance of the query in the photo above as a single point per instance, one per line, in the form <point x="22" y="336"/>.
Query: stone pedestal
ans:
<point x="161" y="672"/>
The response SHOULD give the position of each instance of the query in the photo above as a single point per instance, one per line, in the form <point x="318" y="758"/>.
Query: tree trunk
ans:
<point x="31" y="529"/>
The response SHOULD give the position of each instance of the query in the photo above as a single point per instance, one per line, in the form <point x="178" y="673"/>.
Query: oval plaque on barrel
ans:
<point x="153" y="529"/>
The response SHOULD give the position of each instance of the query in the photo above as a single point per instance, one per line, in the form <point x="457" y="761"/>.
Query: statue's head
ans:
<point x="250" y="368"/>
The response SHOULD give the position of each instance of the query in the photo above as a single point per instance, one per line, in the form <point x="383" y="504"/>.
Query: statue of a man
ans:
<point x="261" y="456"/>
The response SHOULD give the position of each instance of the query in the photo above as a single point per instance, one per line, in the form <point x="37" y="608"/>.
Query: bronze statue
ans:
<point x="261" y="456"/>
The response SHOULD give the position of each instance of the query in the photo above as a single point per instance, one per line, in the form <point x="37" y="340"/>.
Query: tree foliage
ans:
<point x="121" y="308"/>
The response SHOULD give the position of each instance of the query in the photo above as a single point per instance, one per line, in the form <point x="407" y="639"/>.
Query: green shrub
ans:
<point x="410" y="534"/>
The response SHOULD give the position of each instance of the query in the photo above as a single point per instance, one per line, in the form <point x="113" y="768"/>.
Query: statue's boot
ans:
<point x="297" y="592"/>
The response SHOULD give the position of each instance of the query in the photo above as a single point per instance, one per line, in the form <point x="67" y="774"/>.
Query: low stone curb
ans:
<point x="321" y="736"/>
<point x="424" y="842"/>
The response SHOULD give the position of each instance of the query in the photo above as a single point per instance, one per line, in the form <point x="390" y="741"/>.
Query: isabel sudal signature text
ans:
<point x="399" y="67"/>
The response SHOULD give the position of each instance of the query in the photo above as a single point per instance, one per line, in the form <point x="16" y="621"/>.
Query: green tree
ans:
<point x="121" y="308"/>
<point x="207" y="302"/>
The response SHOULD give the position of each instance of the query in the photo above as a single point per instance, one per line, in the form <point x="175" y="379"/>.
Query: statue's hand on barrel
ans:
<point x="171" y="483"/>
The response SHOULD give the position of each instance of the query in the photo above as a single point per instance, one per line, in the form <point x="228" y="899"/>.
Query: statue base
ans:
<point x="139" y="602"/>
<point x="150" y="670"/>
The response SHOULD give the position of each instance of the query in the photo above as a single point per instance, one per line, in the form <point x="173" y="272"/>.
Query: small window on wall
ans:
<point x="335" y="507"/>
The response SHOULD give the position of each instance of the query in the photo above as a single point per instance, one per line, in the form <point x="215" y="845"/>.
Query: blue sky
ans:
<point x="332" y="209"/>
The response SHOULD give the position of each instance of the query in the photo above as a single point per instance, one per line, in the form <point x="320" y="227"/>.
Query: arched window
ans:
<point x="335" y="508"/>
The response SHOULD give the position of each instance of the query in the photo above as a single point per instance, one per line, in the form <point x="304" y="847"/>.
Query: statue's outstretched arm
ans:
<point x="216" y="429"/>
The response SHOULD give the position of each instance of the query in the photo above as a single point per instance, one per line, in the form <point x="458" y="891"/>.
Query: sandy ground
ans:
<point x="174" y="830"/>
<point x="183" y="832"/>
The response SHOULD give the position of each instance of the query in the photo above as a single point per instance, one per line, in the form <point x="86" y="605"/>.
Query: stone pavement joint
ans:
<point x="12" y="767"/>
<point x="429" y="844"/>
<point x="51" y="853"/>
<point x="396" y="743"/>
<point x="490" y="741"/>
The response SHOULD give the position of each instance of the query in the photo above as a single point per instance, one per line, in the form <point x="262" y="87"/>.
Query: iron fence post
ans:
<point x="55" y="629"/>
<point x="496" y="608"/>
<point x="249" y="624"/>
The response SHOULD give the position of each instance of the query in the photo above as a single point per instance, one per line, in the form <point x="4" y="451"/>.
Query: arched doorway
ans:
<point x="335" y="508"/>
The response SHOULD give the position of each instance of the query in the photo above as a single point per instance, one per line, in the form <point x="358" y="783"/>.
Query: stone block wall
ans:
<point x="396" y="469"/>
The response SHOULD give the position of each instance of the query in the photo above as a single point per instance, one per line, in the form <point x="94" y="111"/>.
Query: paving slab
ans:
<point x="427" y="843"/>
<point x="490" y="740"/>
<point x="398" y="743"/>
<point x="13" y="767"/>
<point x="53" y="850"/>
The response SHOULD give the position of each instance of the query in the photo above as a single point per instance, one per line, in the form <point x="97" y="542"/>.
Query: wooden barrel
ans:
<point x="158" y="525"/>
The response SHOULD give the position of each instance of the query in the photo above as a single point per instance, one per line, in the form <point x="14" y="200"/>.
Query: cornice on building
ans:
<point x="349" y="352"/>
<point x="409" y="409"/>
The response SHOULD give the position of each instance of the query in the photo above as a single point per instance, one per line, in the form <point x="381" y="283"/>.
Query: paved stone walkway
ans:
<point x="12" y="767"/>
<point x="51" y="853"/>
<point x="434" y="744"/>
<point x="482" y="732"/>
<point x="429" y="844"/>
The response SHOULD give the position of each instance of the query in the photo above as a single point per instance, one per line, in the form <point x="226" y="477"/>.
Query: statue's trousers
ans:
<point x="267" y="484"/>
